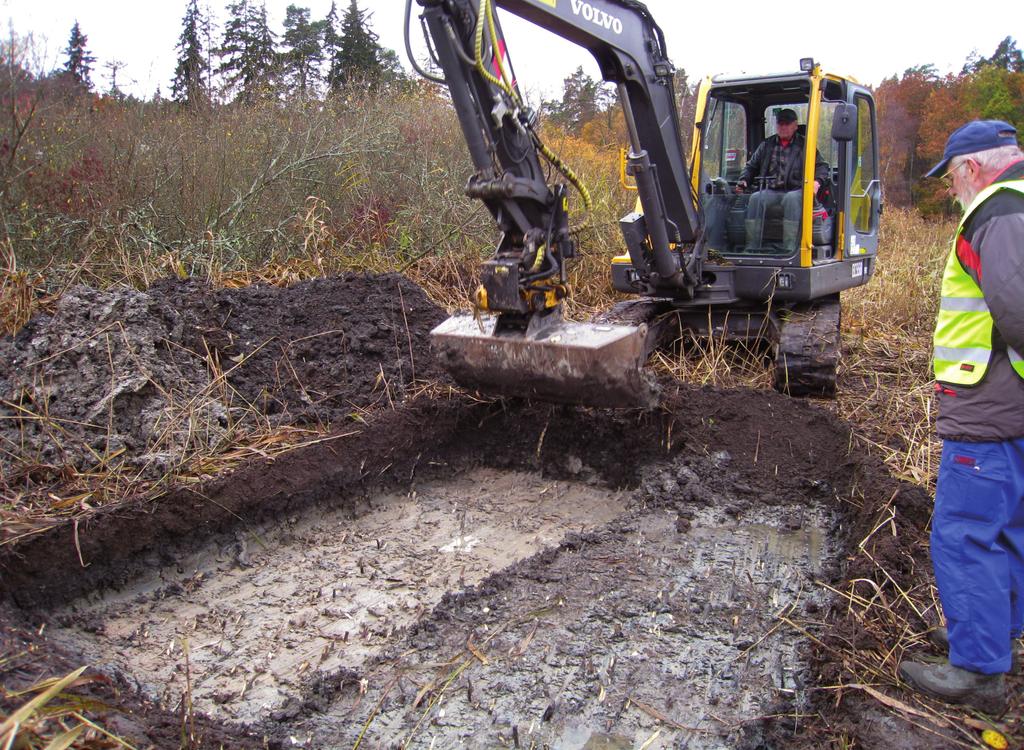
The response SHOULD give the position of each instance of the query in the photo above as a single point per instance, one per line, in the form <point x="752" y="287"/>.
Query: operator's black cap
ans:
<point x="785" y="115"/>
<point x="975" y="136"/>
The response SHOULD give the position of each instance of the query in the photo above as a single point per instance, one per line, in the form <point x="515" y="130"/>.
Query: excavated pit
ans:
<point x="439" y="572"/>
<point x="330" y="592"/>
<point x="263" y="609"/>
<point x="465" y="576"/>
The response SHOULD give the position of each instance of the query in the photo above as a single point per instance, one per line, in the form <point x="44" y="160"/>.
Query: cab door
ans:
<point x="860" y="178"/>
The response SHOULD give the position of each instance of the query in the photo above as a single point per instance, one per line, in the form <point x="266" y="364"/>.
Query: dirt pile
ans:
<point x="147" y="380"/>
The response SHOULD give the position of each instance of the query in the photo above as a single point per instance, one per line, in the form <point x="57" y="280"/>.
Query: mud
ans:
<point x="463" y="574"/>
<point x="328" y="590"/>
<point x="595" y="581"/>
<point x="589" y="645"/>
<point x="147" y="380"/>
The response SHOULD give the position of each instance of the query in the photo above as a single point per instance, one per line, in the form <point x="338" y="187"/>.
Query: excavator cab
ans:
<point x="775" y="264"/>
<point x="839" y="222"/>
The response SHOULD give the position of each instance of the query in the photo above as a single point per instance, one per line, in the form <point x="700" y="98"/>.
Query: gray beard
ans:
<point x="966" y="200"/>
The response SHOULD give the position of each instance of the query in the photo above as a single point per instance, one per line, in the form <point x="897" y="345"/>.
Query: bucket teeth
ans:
<point x="565" y="362"/>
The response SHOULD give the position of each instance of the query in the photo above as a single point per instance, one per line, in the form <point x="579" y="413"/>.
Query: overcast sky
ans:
<point x="870" y="41"/>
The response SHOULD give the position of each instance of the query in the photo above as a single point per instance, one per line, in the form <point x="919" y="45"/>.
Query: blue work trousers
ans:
<point x="978" y="550"/>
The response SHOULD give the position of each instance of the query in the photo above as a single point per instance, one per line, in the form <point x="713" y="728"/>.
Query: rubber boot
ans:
<point x="753" y="227"/>
<point x="939" y="638"/>
<point x="985" y="692"/>
<point x="790" y="235"/>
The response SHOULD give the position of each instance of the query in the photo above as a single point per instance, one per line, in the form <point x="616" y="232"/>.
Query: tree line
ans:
<point x="248" y="61"/>
<point x="918" y="109"/>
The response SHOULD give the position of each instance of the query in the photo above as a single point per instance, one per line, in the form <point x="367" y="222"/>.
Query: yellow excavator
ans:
<point x="702" y="252"/>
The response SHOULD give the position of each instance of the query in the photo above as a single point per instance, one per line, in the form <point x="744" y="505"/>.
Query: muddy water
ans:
<point x="600" y="621"/>
<point x="251" y="618"/>
<point x="659" y="635"/>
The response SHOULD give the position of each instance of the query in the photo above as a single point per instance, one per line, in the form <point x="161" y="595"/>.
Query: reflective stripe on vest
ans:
<point x="964" y="326"/>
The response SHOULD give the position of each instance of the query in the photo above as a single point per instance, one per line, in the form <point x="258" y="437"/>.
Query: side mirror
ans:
<point x="844" y="122"/>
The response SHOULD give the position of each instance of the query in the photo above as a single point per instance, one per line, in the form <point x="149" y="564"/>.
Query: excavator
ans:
<point x="695" y="258"/>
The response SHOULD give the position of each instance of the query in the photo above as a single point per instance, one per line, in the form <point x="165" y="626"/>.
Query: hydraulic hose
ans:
<point x="486" y="13"/>
<point x="408" y="49"/>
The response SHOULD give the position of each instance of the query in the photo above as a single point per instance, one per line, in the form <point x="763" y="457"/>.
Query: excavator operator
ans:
<point x="777" y="167"/>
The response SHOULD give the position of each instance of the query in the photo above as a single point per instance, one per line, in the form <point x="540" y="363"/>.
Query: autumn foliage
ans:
<point x="918" y="110"/>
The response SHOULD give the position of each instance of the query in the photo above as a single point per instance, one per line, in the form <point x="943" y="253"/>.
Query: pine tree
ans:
<point x="303" y="52"/>
<point x="232" y="51"/>
<point x="331" y="42"/>
<point x="1007" y="56"/>
<point x="188" y="85"/>
<point x="79" y="62"/>
<point x="207" y="31"/>
<point x="264" y="50"/>
<point x="114" y="66"/>
<point x="248" y="58"/>
<point x="357" y="58"/>
<point x="582" y="99"/>
<point x="391" y="70"/>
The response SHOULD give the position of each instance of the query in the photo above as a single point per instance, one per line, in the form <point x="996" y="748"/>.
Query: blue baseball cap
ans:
<point x="975" y="136"/>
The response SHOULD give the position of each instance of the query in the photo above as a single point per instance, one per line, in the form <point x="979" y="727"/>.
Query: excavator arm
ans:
<point x="526" y="279"/>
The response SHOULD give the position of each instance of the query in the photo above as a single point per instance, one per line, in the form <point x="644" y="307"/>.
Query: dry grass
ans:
<point x="19" y="292"/>
<point x="52" y="717"/>
<point x="886" y="380"/>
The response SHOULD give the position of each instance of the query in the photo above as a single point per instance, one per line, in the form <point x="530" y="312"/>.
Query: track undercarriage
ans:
<point x="802" y="338"/>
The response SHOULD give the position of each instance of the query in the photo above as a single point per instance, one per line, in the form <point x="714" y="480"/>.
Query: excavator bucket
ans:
<point x="565" y="362"/>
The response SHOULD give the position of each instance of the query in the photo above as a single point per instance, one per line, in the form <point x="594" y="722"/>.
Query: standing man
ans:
<point x="778" y="166"/>
<point x="977" y="540"/>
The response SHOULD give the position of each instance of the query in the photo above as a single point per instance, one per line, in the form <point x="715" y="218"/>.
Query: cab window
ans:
<point x="724" y="151"/>
<point x="771" y="112"/>
<point x="864" y="192"/>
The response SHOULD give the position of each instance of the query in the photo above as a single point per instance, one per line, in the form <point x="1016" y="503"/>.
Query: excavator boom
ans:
<point x="526" y="347"/>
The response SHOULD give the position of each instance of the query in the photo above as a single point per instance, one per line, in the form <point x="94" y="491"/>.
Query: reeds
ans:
<point x="283" y="193"/>
<point x="885" y="378"/>
<point x="51" y="716"/>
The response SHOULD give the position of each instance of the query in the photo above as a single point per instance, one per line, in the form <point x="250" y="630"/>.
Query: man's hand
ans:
<point x="741" y="186"/>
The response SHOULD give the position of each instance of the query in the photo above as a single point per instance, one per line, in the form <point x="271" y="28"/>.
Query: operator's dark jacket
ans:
<point x="793" y="178"/>
<point x="991" y="250"/>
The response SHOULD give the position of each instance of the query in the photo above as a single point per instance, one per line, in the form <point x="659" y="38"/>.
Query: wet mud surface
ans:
<point x="451" y="573"/>
<point x="323" y="591"/>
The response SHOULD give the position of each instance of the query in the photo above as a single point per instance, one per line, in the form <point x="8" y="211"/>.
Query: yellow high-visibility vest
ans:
<point x="964" y="326"/>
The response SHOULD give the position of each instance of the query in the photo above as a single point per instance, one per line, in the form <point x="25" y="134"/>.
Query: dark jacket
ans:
<point x="991" y="250"/>
<point x="760" y="163"/>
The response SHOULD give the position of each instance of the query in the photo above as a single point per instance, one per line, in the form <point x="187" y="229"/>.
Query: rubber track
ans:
<point x="809" y="349"/>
